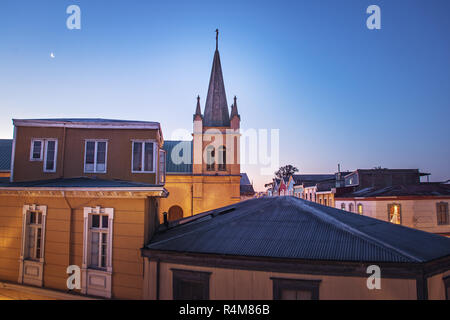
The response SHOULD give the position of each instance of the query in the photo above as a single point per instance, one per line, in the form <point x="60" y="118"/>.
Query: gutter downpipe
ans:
<point x="157" y="278"/>
<point x="422" y="286"/>
<point x="63" y="151"/>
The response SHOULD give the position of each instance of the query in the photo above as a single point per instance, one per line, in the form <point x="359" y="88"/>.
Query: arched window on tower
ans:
<point x="222" y="158"/>
<point x="210" y="158"/>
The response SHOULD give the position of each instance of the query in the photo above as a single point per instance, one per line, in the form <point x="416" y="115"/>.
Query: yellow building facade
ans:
<point x="82" y="199"/>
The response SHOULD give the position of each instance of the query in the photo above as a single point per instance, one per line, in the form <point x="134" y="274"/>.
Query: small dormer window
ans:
<point x="95" y="156"/>
<point x="36" y="149"/>
<point x="50" y="154"/>
<point x="143" y="157"/>
<point x="162" y="166"/>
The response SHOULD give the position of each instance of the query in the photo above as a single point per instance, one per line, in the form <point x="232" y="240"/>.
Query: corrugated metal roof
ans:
<point x="179" y="156"/>
<point x="83" y="182"/>
<point x="5" y="154"/>
<point x="288" y="227"/>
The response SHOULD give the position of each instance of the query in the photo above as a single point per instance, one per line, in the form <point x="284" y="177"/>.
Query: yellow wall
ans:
<point x="64" y="239"/>
<point x="436" y="288"/>
<point x="199" y="193"/>
<point x="231" y="284"/>
<point x="71" y="153"/>
<point x="328" y="196"/>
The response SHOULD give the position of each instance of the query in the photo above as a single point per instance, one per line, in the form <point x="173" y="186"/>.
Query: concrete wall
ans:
<point x="418" y="214"/>
<point x="64" y="239"/>
<point x="231" y="284"/>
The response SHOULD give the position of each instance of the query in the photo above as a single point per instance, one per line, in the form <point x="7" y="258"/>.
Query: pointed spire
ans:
<point x="198" y="111"/>
<point x="234" y="110"/>
<point x="216" y="107"/>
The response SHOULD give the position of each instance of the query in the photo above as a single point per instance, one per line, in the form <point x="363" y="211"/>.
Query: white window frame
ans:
<point x="97" y="281"/>
<point x="162" y="175"/>
<point x="45" y="154"/>
<point x="96" y="141"/>
<point x="32" y="149"/>
<point x="31" y="270"/>
<point x="155" y="153"/>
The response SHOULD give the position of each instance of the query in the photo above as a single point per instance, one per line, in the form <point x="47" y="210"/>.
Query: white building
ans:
<point x="422" y="206"/>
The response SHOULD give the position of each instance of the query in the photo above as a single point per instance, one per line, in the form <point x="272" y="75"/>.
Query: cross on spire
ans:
<point x="217" y="39"/>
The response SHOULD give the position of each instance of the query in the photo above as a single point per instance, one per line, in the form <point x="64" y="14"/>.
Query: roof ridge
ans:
<point x="347" y="228"/>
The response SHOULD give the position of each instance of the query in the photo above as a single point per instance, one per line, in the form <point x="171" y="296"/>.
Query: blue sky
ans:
<point x="338" y="92"/>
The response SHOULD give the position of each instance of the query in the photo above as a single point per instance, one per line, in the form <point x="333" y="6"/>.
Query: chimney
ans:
<point x="166" y="223"/>
<point x="339" y="180"/>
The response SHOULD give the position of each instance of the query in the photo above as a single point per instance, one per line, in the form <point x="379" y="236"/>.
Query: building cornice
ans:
<point x="86" y="124"/>
<point x="298" y="266"/>
<point x="86" y="192"/>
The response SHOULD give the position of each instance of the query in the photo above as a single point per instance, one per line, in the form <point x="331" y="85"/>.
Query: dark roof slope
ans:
<point x="176" y="159"/>
<point x="326" y="185"/>
<point x="300" y="178"/>
<point x="244" y="178"/>
<point x="246" y="188"/>
<point x="422" y="189"/>
<point x="5" y="154"/>
<point x="82" y="182"/>
<point x="288" y="227"/>
<point x="216" y="107"/>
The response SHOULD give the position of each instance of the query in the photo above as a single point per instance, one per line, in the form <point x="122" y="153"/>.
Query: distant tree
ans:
<point x="286" y="171"/>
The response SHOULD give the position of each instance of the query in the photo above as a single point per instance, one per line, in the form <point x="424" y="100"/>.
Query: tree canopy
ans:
<point x="286" y="171"/>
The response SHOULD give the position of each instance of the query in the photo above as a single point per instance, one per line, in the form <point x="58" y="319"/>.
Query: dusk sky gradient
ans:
<point x="338" y="92"/>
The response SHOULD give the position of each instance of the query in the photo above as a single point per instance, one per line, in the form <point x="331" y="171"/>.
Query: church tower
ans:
<point x="216" y="137"/>
<point x="213" y="178"/>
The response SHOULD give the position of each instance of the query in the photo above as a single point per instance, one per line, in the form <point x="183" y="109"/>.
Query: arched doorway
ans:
<point x="175" y="213"/>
